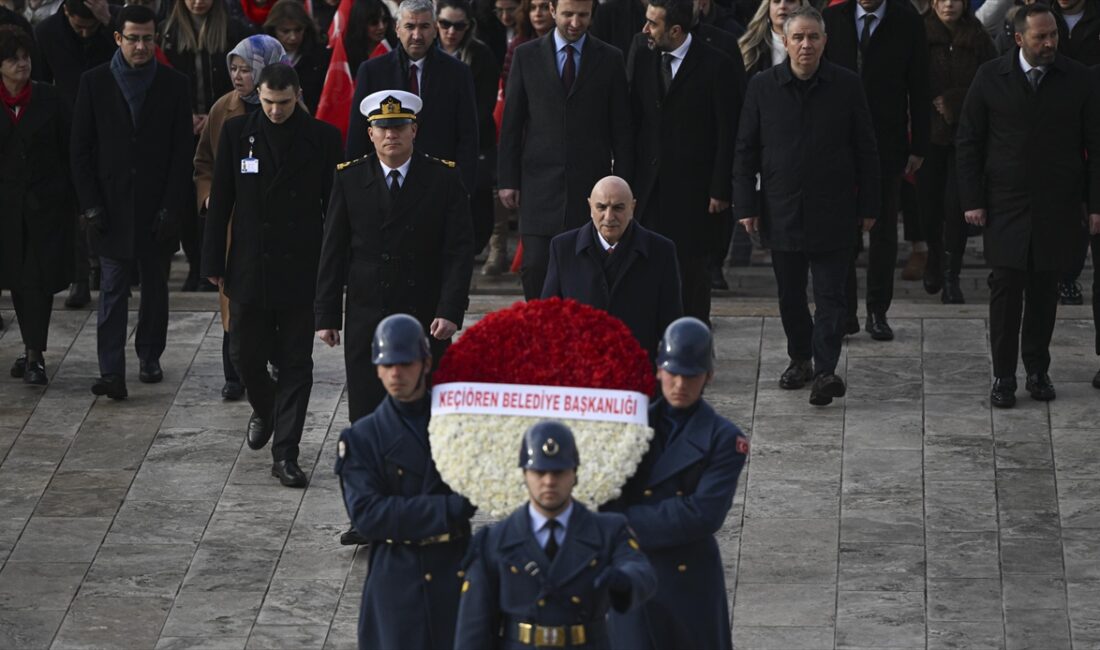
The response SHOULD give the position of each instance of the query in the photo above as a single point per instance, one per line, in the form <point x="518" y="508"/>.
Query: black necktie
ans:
<point x="551" y="547"/>
<point x="395" y="186"/>
<point x="865" y="35"/>
<point x="1034" y="76"/>
<point x="569" y="70"/>
<point x="666" y="71"/>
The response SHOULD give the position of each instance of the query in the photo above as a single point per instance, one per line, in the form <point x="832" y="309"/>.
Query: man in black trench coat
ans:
<point x="1027" y="122"/>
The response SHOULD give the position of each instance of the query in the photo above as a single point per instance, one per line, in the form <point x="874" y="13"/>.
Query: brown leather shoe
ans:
<point x="914" y="266"/>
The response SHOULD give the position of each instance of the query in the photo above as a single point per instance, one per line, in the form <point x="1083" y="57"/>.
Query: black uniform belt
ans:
<point x="554" y="636"/>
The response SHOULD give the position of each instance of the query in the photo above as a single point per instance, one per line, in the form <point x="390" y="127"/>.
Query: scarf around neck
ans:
<point x="133" y="82"/>
<point x="16" y="105"/>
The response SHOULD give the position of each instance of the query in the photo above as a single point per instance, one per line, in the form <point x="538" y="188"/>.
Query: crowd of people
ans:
<point x="638" y="145"/>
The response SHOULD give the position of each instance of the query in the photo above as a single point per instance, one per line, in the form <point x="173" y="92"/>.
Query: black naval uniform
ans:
<point x="514" y="595"/>
<point x="411" y="255"/>
<point x="675" y="502"/>
<point x="418" y="527"/>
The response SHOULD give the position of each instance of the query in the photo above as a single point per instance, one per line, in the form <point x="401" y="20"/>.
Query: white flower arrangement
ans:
<point x="478" y="456"/>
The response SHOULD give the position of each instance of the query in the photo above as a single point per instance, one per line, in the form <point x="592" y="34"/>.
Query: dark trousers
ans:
<point x="882" y="253"/>
<point x="536" y="261"/>
<point x="33" y="308"/>
<point x="1033" y="294"/>
<point x="818" y="337"/>
<point x="228" y="368"/>
<point x="114" y="301"/>
<point x="944" y="226"/>
<point x="1096" y="288"/>
<point x="286" y="337"/>
<point x="909" y="204"/>
<point x="83" y="260"/>
<point x="695" y="284"/>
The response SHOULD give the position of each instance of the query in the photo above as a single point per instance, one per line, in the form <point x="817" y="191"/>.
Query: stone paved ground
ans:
<point x="908" y="515"/>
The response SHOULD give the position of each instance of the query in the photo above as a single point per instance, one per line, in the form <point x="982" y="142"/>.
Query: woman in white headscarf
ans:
<point x="245" y="63"/>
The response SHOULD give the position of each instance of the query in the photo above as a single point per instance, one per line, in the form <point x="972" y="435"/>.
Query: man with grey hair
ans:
<point x="448" y="121"/>
<point x="815" y="154"/>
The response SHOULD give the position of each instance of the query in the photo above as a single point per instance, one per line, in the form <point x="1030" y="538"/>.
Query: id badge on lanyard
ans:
<point x="250" y="165"/>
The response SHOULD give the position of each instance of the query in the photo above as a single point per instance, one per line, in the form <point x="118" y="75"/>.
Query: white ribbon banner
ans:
<point x="558" y="402"/>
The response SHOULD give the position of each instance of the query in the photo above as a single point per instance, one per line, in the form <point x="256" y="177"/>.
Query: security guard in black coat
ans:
<point x="678" y="499"/>
<point x="419" y="529"/>
<point x="400" y="236"/>
<point x="272" y="180"/>
<point x="548" y="574"/>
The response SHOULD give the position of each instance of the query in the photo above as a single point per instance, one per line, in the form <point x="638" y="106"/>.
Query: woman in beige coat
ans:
<point x="245" y="62"/>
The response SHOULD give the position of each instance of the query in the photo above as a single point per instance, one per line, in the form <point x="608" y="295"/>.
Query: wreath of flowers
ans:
<point x="550" y="342"/>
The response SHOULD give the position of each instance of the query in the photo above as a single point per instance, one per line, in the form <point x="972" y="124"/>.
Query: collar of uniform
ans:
<point x="403" y="170"/>
<point x="560" y="42"/>
<point x="538" y="520"/>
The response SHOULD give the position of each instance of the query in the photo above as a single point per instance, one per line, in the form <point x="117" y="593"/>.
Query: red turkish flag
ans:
<point x="335" y="104"/>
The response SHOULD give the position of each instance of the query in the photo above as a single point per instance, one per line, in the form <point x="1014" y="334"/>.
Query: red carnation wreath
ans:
<point x="542" y="359"/>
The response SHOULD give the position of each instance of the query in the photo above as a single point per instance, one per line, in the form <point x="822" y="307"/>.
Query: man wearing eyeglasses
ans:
<point x="131" y="160"/>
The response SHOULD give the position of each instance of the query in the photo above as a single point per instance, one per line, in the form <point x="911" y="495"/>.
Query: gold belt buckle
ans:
<point x="526" y="633"/>
<point x="577" y="635"/>
<point x="550" y="637"/>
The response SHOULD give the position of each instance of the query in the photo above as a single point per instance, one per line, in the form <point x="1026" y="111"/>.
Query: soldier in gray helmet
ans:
<point x="548" y="574"/>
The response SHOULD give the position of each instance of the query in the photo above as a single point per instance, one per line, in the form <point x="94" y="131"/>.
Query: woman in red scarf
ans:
<point x="36" y="199"/>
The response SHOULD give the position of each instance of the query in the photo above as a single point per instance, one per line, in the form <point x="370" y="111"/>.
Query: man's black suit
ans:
<point x="133" y="171"/>
<point x="640" y="288"/>
<point x="414" y="256"/>
<point x="270" y="270"/>
<point x="814" y="149"/>
<point x="446" y="125"/>
<point x="555" y="145"/>
<point x="686" y="138"/>
<point x="1020" y="155"/>
<point x="894" y="70"/>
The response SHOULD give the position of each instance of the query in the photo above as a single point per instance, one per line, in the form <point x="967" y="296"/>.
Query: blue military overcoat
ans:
<point x="675" y="503"/>
<point x="510" y="580"/>
<point x="396" y="498"/>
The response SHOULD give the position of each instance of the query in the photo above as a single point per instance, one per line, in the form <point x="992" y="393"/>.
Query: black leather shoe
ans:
<point x="351" y="537"/>
<point x="232" y="391"/>
<point x="1038" y="384"/>
<point x="112" y="386"/>
<point x="258" y="432"/>
<point x="19" y="367"/>
<point x="79" y="295"/>
<point x="952" y="294"/>
<point x="718" y="279"/>
<point x="852" y="327"/>
<point x="150" y="372"/>
<point x="1096" y="380"/>
<point x="825" y="388"/>
<point x="1003" y="394"/>
<point x="1069" y="293"/>
<point x="289" y="474"/>
<point x="36" y="374"/>
<point x="94" y="277"/>
<point x="879" y="328"/>
<point x="797" y="374"/>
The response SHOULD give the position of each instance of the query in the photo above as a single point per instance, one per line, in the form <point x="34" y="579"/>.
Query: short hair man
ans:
<point x="418" y="527"/>
<point x="615" y="264"/>
<point x="813" y="151"/>
<point x="448" y="122"/>
<point x="273" y="176"/>
<point x="687" y="476"/>
<point x="566" y="125"/>
<point x="377" y="243"/>
<point x="131" y="165"/>
<point x="548" y="574"/>
<point x="1027" y="117"/>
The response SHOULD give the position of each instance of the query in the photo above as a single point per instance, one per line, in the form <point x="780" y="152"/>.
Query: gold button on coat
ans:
<point x="427" y="577"/>
<point x="575" y="600"/>
<point x="648" y="493"/>
<point x="682" y="568"/>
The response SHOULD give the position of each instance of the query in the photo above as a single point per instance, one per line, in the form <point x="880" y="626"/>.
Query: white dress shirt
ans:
<point x="402" y="172"/>
<point x="861" y="12"/>
<point x="678" y="55"/>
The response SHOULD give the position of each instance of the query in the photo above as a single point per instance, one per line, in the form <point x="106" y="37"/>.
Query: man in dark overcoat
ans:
<point x="132" y="147"/>
<point x="686" y="106"/>
<point x="418" y="528"/>
<point x="273" y="176"/>
<point x="1026" y="124"/>
<point x="679" y="498"/>
<point x="548" y="575"/>
<point x="615" y="264"/>
<point x="806" y="130"/>
<point x="399" y="235"/>
<point x="566" y="120"/>
<point x="884" y="42"/>
<point x="447" y="126"/>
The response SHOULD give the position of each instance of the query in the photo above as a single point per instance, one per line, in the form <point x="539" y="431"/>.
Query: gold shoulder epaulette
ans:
<point x="449" y="163"/>
<point x="349" y="163"/>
